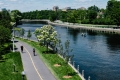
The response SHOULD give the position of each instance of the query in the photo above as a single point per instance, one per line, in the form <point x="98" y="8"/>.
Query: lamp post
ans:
<point x="13" y="44"/>
<point x="23" y="74"/>
<point x="13" y="39"/>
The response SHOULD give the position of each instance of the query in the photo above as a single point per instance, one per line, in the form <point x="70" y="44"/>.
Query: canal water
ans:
<point x="97" y="54"/>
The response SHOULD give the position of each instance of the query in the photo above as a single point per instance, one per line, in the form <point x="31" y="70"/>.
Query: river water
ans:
<point x="97" y="54"/>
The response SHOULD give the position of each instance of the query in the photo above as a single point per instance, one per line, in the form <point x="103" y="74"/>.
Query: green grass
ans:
<point x="6" y="66"/>
<point x="50" y="59"/>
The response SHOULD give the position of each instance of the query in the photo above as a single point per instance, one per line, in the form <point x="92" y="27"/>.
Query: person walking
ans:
<point x="22" y="48"/>
<point x="34" y="51"/>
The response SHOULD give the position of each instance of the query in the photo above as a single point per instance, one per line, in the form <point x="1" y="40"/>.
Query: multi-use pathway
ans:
<point x="34" y="68"/>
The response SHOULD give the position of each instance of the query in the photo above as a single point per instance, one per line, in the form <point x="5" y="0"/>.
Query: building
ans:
<point x="67" y="9"/>
<point x="55" y="8"/>
<point x="4" y="9"/>
<point x="82" y="8"/>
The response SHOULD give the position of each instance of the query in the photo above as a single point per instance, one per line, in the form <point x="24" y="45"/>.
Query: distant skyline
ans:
<point x="32" y="5"/>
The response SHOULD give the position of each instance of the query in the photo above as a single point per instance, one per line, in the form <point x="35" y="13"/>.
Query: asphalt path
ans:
<point x="34" y="68"/>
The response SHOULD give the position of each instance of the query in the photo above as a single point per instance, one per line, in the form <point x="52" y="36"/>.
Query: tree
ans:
<point x="67" y="54"/>
<point x="16" y="16"/>
<point x="22" y="32"/>
<point x="113" y="11"/>
<point x="46" y="35"/>
<point x="29" y="34"/>
<point x="92" y="15"/>
<point x="94" y="8"/>
<point x="5" y="36"/>
<point x="5" y="19"/>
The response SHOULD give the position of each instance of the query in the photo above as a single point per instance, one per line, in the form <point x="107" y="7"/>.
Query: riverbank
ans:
<point x="89" y="27"/>
<point x="98" y="28"/>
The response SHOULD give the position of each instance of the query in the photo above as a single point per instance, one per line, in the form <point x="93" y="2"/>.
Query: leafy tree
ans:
<point x="67" y="54"/>
<point x="17" y="32"/>
<point x="5" y="19"/>
<point x="94" y="8"/>
<point x="92" y="15"/>
<point x="113" y="11"/>
<point x="5" y="36"/>
<point x="22" y="32"/>
<point x="16" y="16"/>
<point x="29" y="34"/>
<point x="46" y="35"/>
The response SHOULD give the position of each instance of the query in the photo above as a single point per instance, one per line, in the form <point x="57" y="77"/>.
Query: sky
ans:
<point x="32" y="5"/>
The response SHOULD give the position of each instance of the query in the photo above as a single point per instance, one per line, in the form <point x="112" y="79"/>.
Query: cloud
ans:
<point x="13" y="0"/>
<point x="1" y="3"/>
<point x="82" y="0"/>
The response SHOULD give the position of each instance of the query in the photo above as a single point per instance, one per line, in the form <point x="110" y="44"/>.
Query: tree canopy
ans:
<point x="92" y="15"/>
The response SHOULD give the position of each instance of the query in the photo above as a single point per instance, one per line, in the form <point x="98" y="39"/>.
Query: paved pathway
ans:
<point x="34" y="68"/>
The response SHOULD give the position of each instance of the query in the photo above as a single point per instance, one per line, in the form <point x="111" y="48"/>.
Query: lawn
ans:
<point x="7" y="71"/>
<point x="51" y="59"/>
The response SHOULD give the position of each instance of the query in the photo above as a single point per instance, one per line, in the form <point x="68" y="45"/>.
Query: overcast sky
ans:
<point x="30" y="5"/>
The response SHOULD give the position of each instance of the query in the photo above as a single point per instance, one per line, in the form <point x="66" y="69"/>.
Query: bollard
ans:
<point x="70" y="60"/>
<point x="88" y="77"/>
<point x="83" y="73"/>
<point x="78" y="68"/>
<point x="73" y="63"/>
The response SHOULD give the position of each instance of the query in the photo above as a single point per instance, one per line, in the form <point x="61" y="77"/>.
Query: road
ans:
<point x="34" y="68"/>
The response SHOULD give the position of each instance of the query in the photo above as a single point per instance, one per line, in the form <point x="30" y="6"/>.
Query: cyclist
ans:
<point x="21" y="48"/>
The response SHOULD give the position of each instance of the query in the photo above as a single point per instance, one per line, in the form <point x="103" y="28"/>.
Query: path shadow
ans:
<point x="15" y="48"/>
<point x="16" y="41"/>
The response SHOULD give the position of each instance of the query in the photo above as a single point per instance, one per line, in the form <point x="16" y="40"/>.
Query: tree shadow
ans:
<point x="2" y="61"/>
<point x="72" y="73"/>
<point x="49" y="52"/>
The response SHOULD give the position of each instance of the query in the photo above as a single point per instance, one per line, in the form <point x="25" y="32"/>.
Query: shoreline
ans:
<point x="89" y="28"/>
<point x="71" y="25"/>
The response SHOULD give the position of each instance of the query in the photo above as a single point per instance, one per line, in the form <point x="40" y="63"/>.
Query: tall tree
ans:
<point x="113" y="11"/>
<point x="29" y="34"/>
<point x="16" y="16"/>
<point x="47" y="35"/>
<point x="5" y="36"/>
<point x="22" y="32"/>
<point x="92" y="15"/>
<point x="94" y="8"/>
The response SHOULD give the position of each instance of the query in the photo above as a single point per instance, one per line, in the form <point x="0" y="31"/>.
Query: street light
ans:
<point x="13" y="37"/>
<point x="13" y="44"/>
<point x="23" y="74"/>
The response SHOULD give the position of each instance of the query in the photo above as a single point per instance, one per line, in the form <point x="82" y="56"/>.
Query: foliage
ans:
<point x="5" y="19"/>
<point x="29" y="34"/>
<point x="92" y="15"/>
<point x="109" y="16"/>
<point x="16" y="16"/>
<point x="94" y="8"/>
<point x="46" y="35"/>
<point x="17" y="31"/>
<point x="113" y="11"/>
<point x="22" y="32"/>
<point x="5" y="35"/>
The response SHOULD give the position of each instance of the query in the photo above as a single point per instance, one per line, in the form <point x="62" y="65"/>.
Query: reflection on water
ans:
<point x="97" y="54"/>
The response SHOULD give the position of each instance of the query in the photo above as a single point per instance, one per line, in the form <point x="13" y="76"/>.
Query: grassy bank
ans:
<point x="7" y="68"/>
<point x="51" y="59"/>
